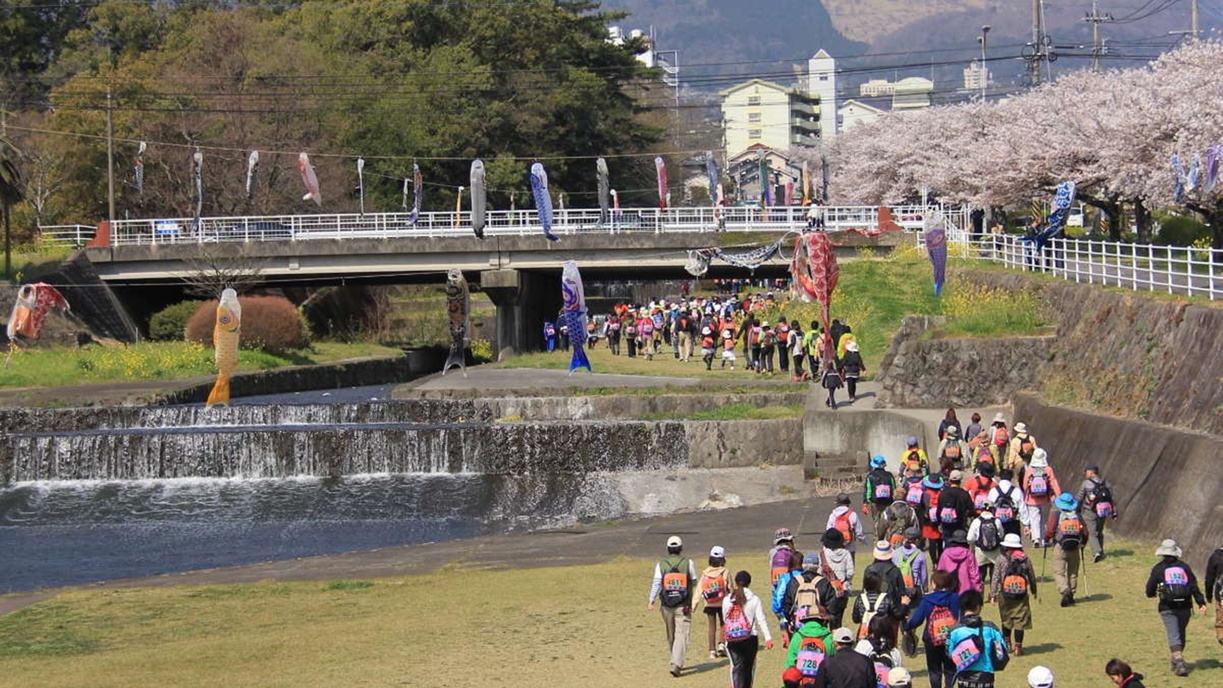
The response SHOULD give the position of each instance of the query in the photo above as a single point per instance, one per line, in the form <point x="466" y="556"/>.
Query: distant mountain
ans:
<point x="720" y="41"/>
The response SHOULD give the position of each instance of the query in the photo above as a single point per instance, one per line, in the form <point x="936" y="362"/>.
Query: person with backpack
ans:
<point x="728" y="347"/>
<point x="780" y="588"/>
<point x="981" y="451"/>
<point x="985" y="535"/>
<point x="911" y="561"/>
<point x="782" y="342"/>
<point x="812" y="341"/>
<point x="745" y="622"/>
<point x="879" y="645"/>
<point x="852" y="367"/>
<point x="795" y="350"/>
<point x="846" y="668"/>
<point x="711" y="591"/>
<point x="871" y="602"/>
<point x="955" y="506"/>
<point x="845" y="519"/>
<point x="1040" y="487"/>
<point x="940" y="612"/>
<point x="647" y="331"/>
<point x="707" y="347"/>
<point x="674" y="579"/>
<point x="768" y="346"/>
<point x="1122" y="676"/>
<point x="1014" y="587"/>
<point x="1021" y="448"/>
<point x="779" y="555"/>
<point x="810" y="647"/>
<point x="1066" y="531"/>
<point x="960" y="560"/>
<point x="630" y="335"/>
<point x="1177" y="588"/>
<point x="974" y="428"/>
<point x="951" y="452"/>
<point x="913" y="459"/>
<point x="893" y="580"/>
<point x="999" y="436"/>
<point x="927" y="513"/>
<point x="949" y="421"/>
<point x="899" y="518"/>
<point x="1096" y="497"/>
<point x="976" y="646"/>
<point x="877" y="493"/>
<point x="1214" y="588"/>
<point x="831" y="380"/>
<point x="1010" y="506"/>
<point x="979" y="485"/>
<point x="809" y="594"/>
<point x="837" y="565"/>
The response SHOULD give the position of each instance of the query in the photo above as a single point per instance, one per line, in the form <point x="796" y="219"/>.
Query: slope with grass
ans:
<point x="462" y="626"/>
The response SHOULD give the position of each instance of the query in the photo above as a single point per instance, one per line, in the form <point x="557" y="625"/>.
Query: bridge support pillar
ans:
<point x="524" y="300"/>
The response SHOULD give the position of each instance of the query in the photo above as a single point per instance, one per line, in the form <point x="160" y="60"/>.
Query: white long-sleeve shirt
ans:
<point x="752" y="609"/>
<point x="656" y="585"/>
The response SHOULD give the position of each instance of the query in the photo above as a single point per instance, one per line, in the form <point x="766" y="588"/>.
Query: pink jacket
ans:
<point x="1052" y="489"/>
<point x="961" y="560"/>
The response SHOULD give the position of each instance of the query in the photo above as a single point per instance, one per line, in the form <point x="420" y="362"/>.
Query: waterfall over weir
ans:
<point x="100" y="494"/>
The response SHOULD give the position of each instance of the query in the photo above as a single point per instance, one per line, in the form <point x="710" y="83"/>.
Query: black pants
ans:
<point x="851" y="383"/>
<point x="975" y="679"/>
<point x="742" y="655"/>
<point x="939" y="665"/>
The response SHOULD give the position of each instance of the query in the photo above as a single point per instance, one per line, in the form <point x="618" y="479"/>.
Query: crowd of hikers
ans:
<point x="727" y="331"/>
<point x="951" y="571"/>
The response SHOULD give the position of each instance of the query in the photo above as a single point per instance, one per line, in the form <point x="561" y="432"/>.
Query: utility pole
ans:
<point x="110" y="159"/>
<point x="1193" y="23"/>
<point x="1095" y="19"/>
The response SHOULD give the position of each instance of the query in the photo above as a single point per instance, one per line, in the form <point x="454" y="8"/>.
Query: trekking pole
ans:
<point x="1083" y="563"/>
<point x="1044" y="554"/>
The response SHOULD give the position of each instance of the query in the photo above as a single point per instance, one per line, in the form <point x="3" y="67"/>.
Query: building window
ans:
<point x="823" y="77"/>
<point x="753" y="133"/>
<point x="753" y="100"/>
<point x="753" y="116"/>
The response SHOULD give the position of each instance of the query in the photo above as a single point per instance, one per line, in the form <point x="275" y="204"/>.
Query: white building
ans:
<point x="854" y="112"/>
<point x="911" y="93"/>
<point x="875" y="88"/>
<point x="762" y="113"/>
<point x="822" y="85"/>
<point x="976" y="77"/>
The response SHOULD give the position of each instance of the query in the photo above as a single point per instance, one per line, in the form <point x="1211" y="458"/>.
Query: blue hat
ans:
<point x="1066" y="502"/>
<point x="933" y="481"/>
<point x="878" y="461"/>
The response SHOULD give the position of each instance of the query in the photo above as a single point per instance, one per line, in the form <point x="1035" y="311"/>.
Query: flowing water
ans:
<point x="102" y="494"/>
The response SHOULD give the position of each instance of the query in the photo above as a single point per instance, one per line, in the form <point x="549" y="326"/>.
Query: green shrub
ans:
<point x="1178" y="230"/>
<point x="269" y="323"/>
<point x="170" y="323"/>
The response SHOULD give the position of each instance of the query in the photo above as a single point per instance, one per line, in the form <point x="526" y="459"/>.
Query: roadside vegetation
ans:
<point x="423" y="631"/>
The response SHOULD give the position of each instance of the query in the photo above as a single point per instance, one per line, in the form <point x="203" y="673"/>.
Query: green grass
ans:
<point x="733" y="412"/>
<point x="39" y="366"/>
<point x="425" y="630"/>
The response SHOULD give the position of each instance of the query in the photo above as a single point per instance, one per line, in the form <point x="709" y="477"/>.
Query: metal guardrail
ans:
<point x="1139" y="267"/>
<point x="499" y="223"/>
<point x="67" y="235"/>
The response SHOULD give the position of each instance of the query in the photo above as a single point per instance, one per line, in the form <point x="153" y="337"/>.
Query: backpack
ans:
<point x="1038" y="486"/>
<point x="952" y="452"/>
<point x="906" y="569"/>
<point x="811" y="653"/>
<point x="1026" y="448"/>
<point x="913" y="457"/>
<point x="807" y="601"/>
<point x="1014" y="583"/>
<point x="1004" y="510"/>
<point x="948" y="515"/>
<point x="1175" y="586"/>
<point x="968" y="651"/>
<point x="647" y="329"/>
<point x="632" y="330"/>
<point x="769" y="339"/>
<point x="939" y="625"/>
<point x="913" y="492"/>
<point x="736" y="626"/>
<point x="1069" y="530"/>
<point x="844" y="526"/>
<point x="712" y="588"/>
<point x="1102" y="499"/>
<point x="988" y="536"/>
<point x="932" y="510"/>
<point x="780" y="564"/>
<point x="1001" y="436"/>
<point x="869" y="610"/>
<point x="675" y="583"/>
<point x="984" y="455"/>
<point x="881" y="485"/>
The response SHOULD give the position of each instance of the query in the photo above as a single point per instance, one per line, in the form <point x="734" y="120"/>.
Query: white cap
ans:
<point x="718" y="551"/>
<point x="674" y="541"/>
<point x="1040" y="677"/>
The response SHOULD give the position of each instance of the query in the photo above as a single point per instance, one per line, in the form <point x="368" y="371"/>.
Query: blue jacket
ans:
<point x="972" y="624"/>
<point x="939" y="598"/>
<point x="779" y="593"/>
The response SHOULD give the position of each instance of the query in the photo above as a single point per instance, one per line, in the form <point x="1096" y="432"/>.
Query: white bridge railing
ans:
<point x="500" y="223"/>
<point x="1140" y="267"/>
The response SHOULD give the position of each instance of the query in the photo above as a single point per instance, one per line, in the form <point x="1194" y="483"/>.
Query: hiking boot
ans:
<point x="1098" y="558"/>
<point x="1180" y="668"/>
<point x="713" y="654"/>
<point x="675" y="670"/>
<point x="1067" y="598"/>
<point x="1017" y="650"/>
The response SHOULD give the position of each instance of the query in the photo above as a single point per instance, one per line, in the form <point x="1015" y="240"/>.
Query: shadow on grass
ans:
<point x="1118" y="553"/>
<point x="1041" y="649"/>
<point x="1097" y="597"/>
<point x="708" y="666"/>
<point x="1207" y="663"/>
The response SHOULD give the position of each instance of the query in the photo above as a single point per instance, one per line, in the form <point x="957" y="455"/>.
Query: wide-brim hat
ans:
<point x="1012" y="541"/>
<point x="883" y="551"/>
<point x="959" y="537"/>
<point x="1021" y="428"/>
<point x="1066" y="502"/>
<point x="878" y="461"/>
<point x="934" y="481"/>
<point x="1168" y="548"/>
<point x="782" y="535"/>
<point x="999" y="418"/>
<point x="1040" y="459"/>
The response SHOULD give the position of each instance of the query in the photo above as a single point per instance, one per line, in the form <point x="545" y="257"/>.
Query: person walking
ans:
<point x="1040" y="486"/>
<point x="939" y="611"/>
<point x="1214" y="589"/>
<point x="960" y="560"/>
<point x="1065" y="531"/>
<point x="853" y="367"/>
<point x="744" y="624"/>
<point x="831" y="380"/>
<point x="898" y="518"/>
<point x="837" y="565"/>
<point x="846" y="668"/>
<point x="979" y="485"/>
<point x="1021" y="449"/>
<point x="1014" y="586"/>
<point x="674" y="579"/>
<point x="976" y="658"/>
<point x="878" y="491"/>
<point x="779" y="555"/>
<point x="955" y="506"/>
<point x="1122" y="676"/>
<point x="1095" y="496"/>
<point x="932" y="488"/>
<point x="985" y="535"/>
<point x="794" y="349"/>
<point x="711" y="590"/>
<point x="1010" y="506"/>
<point x="1177" y="588"/>
<point x="845" y="519"/>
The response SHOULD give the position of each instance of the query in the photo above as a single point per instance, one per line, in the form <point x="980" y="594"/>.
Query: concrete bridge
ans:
<point x="514" y="263"/>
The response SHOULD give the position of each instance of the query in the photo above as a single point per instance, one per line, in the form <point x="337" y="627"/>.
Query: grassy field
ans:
<point x="557" y="627"/>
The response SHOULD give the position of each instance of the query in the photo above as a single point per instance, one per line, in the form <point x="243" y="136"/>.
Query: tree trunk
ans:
<point x="1142" y="222"/>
